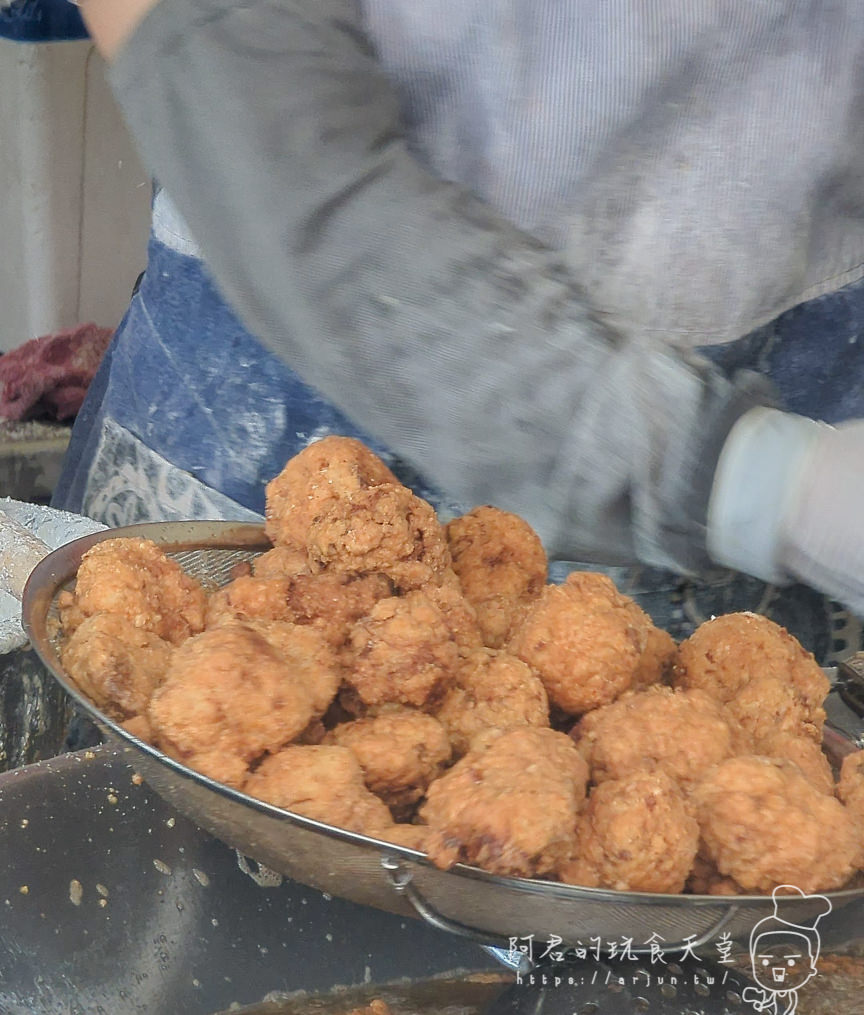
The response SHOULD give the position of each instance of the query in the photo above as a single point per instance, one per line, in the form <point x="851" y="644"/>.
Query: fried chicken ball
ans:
<point x="657" y="662"/>
<point x="249" y="597"/>
<point x="321" y="782"/>
<point x="228" y="698"/>
<point x="400" y="753"/>
<point x="116" y="665"/>
<point x="767" y="680"/>
<point x="410" y="836"/>
<point x="401" y="653"/>
<point x="705" y="879"/>
<point x="680" y="733"/>
<point x="324" y="472"/>
<point x="763" y="824"/>
<point x="501" y="566"/>
<point x="282" y="562"/>
<point x="636" y="835"/>
<point x="134" y="579"/>
<point x="459" y="615"/>
<point x="850" y="787"/>
<point x="139" y="726"/>
<point x="308" y="654"/>
<point x="509" y="806"/>
<point x="493" y="690"/>
<point x="768" y="706"/>
<point x="375" y="1007"/>
<point x="332" y="603"/>
<point x="804" y="752"/>
<point x="586" y="641"/>
<point x="385" y="529"/>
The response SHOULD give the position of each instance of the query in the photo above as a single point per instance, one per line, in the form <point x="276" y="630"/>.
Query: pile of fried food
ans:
<point x="424" y="684"/>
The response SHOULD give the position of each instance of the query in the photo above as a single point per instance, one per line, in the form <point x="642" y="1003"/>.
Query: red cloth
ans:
<point x="49" y="376"/>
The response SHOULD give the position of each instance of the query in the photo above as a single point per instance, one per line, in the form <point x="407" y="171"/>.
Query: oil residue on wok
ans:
<point x="452" y="995"/>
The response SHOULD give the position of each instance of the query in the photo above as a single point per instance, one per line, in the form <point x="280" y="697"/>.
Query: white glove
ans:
<point x="787" y="503"/>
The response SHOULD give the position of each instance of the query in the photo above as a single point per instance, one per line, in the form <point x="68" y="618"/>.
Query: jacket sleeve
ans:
<point x="456" y="339"/>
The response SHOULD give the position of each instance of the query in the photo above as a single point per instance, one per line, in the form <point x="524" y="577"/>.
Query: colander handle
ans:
<point x="402" y="881"/>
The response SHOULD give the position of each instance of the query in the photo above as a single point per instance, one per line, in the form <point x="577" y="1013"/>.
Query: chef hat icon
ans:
<point x="820" y="906"/>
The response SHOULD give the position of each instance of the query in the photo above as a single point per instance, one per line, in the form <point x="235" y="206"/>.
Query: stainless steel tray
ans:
<point x="114" y="904"/>
<point x="513" y="913"/>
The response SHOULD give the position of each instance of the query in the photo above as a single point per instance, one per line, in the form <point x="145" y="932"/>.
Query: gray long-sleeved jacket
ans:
<point x="494" y="233"/>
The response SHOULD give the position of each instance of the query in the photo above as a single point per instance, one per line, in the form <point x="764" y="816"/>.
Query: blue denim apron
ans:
<point x="41" y="21"/>
<point x="190" y="417"/>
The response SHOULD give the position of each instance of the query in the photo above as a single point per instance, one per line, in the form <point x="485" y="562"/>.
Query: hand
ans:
<point x="755" y="996"/>
<point x="788" y="503"/>
<point x="822" y="534"/>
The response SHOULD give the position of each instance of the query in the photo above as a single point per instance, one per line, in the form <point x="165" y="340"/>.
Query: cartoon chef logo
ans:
<point x="783" y="954"/>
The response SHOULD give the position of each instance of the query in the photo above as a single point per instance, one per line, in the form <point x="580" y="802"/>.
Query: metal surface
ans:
<point x="464" y="901"/>
<point x="114" y="904"/>
<point x="34" y="711"/>
<point x="850" y="683"/>
<point x="31" y="456"/>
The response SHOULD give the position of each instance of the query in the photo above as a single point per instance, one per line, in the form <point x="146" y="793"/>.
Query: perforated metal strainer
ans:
<point x="466" y="901"/>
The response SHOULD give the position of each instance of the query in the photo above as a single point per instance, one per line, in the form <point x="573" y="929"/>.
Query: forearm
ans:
<point x="440" y="328"/>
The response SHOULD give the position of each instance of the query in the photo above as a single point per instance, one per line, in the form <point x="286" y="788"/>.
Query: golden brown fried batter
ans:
<point x="587" y="642"/>
<point x="493" y="690"/>
<point x="705" y="879"/>
<point x="636" y="835"/>
<point x="410" y="836"/>
<point x="764" y="825"/>
<point x="335" y="602"/>
<point x="248" y="598"/>
<point x="282" y="562"/>
<point x="804" y="752"/>
<point x="71" y="616"/>
<point x="343" y="670"/>
<point x="510" y="806"/>
<point x="139" y="726"/>
<point x="332" y="603"/>
<point x="400" y="753"/>
<point x="768" y="681"/>
<point x="770" y="705"/>
<point x="376" y="1007"/>
<point x="322" y="473"/>
<point x="321" y="782"/>
<point x="385" y="529"/>
<point x="680" y="733"/>
<point x="309" y="656"/>
<point x="459" y="615"/>
<point x="401" y="653"/>
<point x="657" y="663"/>
<point x="850" y="787"/>
<point x="501" y="565"/>
<point x="116" y="665"/>
<point x="134" y="579"/>
<point x="228" y="697"/>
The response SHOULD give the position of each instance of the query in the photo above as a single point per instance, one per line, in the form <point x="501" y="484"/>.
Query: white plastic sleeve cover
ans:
<point x="758" y="474"/>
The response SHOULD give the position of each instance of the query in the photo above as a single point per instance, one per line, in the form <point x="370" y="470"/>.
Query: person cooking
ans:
<point x="597" y="264"/>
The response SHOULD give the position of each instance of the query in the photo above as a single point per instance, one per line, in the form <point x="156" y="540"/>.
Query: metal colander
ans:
<point x="508" y="912"/>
